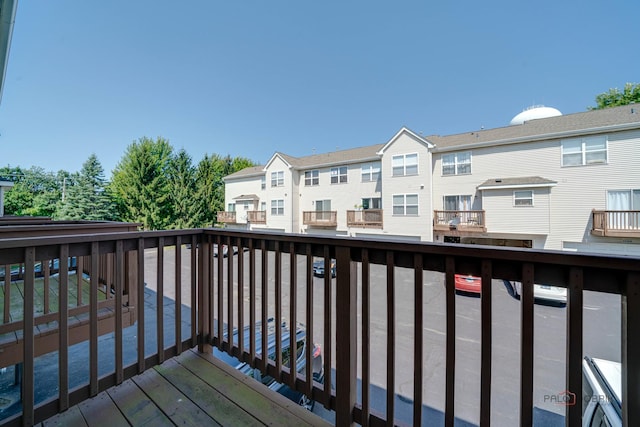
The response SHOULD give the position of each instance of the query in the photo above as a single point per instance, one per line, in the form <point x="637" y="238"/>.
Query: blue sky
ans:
<point x="248" y="78"/>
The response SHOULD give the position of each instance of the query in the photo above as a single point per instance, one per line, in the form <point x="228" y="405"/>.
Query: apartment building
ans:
<point x="552" y="181"/>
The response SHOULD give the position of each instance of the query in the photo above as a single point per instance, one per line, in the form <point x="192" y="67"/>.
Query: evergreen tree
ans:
<point x="85" y="194"/>
<point x="182" y="188"/>
<point x="140" y="183"/>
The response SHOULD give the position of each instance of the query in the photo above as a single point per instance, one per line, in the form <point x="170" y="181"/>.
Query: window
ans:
<point x="339" y="175"/>
<point x="263" y="182"/>
<point x="457" y="203"/>
<point x="263" y="206"/>
<point x="523" y="198"/>
<point x="370" y="172"/>
<point x="584" y="151"/>
<point x="311" y="178"/>
<point x="277" y="179"/>
<point x="405" y="164"/>
<point x="231" y="207"/>
<point x="323" y="205"/>
<point x="277" y="207"/>
<point x="623" y="200"/>
<point x="456" y="163"/>
<point x="405" y="204"/>
<point x="372" y="203"/>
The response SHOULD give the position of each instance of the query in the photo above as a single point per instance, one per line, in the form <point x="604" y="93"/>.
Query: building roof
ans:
<point x="7" y="18"/>
<point x="627" y="116"/>
<point x="247" y="197"/>
<point x="565" y="126"/>
<point x="518" y="182"/>
<point x="247" y="172"/>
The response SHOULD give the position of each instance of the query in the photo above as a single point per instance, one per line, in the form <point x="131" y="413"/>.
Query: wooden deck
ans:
<point x="190" y="389"/>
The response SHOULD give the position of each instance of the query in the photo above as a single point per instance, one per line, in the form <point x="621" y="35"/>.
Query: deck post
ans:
<point x="204" y="265"/>
<point x="630" y="314"/>
<point x="346" y="344"/>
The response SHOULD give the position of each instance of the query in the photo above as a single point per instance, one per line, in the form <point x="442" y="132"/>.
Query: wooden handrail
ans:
<point x="219" y="283"/>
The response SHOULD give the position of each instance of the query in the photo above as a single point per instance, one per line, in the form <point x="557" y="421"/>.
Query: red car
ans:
<point x="468" y="283"/>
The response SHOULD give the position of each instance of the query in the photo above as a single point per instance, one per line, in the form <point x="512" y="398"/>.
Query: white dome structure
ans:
<point x="535" y="112"/>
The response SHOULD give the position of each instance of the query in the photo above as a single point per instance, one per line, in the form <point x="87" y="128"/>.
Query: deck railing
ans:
<point x="227" y="217"/>
<point x="272" y="276"/>
<point x="257" y="217"/>
<point x="459" y="220"/>
<point x="320" y="218"/>
<point x="616" y="223"/>
<point x="368" y="218"/>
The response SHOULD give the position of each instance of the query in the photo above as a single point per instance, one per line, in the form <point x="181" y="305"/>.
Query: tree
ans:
<point x="182" y="188"/>
<point x="35" y="191"/>
<point x="86" y="197"/>
<point x="615" y="98"/>
<point x="140" y="183"/>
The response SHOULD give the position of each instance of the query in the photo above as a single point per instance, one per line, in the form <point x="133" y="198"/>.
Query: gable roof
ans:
<point x="588" y="122"/>
<point x="402" y="131"/>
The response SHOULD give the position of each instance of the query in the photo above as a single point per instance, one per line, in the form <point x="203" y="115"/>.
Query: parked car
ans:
<point x="318" y="267"/>
<point x="601" y="392"/>
<point x="547" y="293"/>
<point x="225" y="250"/>
<point x="245" y="368"/>
<point x="468" y="283"/>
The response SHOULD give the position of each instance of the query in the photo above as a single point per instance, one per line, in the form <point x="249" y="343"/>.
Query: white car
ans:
<point x="547" y="293"/>
<point x="601" y="392"/>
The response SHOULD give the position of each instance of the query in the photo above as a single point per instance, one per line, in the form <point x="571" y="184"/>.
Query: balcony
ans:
<point x="227" y="217"/>
<point x="380" y="346"/>
<point x="257" y="217"/>
<point x="320" y="218"/>
<point x="459" y="221"/>
<point x="368" y="218"/>
<point x="616" y="223"/>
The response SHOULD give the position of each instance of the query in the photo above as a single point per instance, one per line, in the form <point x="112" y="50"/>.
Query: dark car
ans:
<point x="318" y="268"/>
<point x="245" y="368"/>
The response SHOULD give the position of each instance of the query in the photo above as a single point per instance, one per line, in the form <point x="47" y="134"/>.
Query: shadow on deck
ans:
<point x="190" y="389"/>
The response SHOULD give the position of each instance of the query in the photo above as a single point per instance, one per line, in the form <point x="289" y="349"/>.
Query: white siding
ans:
<point x="420" y="225"/>
<point x="507" y="218"/>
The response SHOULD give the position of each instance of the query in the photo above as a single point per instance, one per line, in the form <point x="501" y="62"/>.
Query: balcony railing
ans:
<point x="320" y="218"/>
<point x="227" y="217"/>
<point x="361" y="313"/>
<point x="257" y="217"/>
<point x="368" y="218"/>
<point x="616" y="223"/>
<point x="472" y="221"/>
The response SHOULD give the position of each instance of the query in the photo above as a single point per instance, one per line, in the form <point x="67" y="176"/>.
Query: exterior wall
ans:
<point x="237" y="187"/>
<point x="286" y="193"/>
<point x="507" y="218"/>
<point x="579" y="189"/>
<point x="343" y="196"/>
<point x="420" y="184"/>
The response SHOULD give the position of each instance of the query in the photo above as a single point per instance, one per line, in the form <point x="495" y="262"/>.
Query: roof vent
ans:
<point x="498" y="180"/>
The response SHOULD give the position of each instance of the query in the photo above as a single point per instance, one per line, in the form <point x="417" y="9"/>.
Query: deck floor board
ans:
<point x="190" y="389"/>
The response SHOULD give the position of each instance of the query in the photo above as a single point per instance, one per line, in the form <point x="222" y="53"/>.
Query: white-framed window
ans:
<point x="277" y="179"/>
<point x="263" y="182"/>
<point x="623" y="200"/>
<point x="523" y="198"/>
<point x="277" y="207"/>
<point x="456" y="163"/>
<point x="372" y="203"/>
<point x="370" y="172"/>
<point x="231" y="207"/>
<point x="311" y="178"/>
<point x="404" y="164"/>
<point x="263" y="206"/>
<point x="339" y="175"/>
<point x="584" y="151"/>
<point x="457" y="203"/>
<point x="405" y="204"/>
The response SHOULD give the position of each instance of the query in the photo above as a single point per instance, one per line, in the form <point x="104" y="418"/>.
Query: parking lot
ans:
<point x="601" y="339"/>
